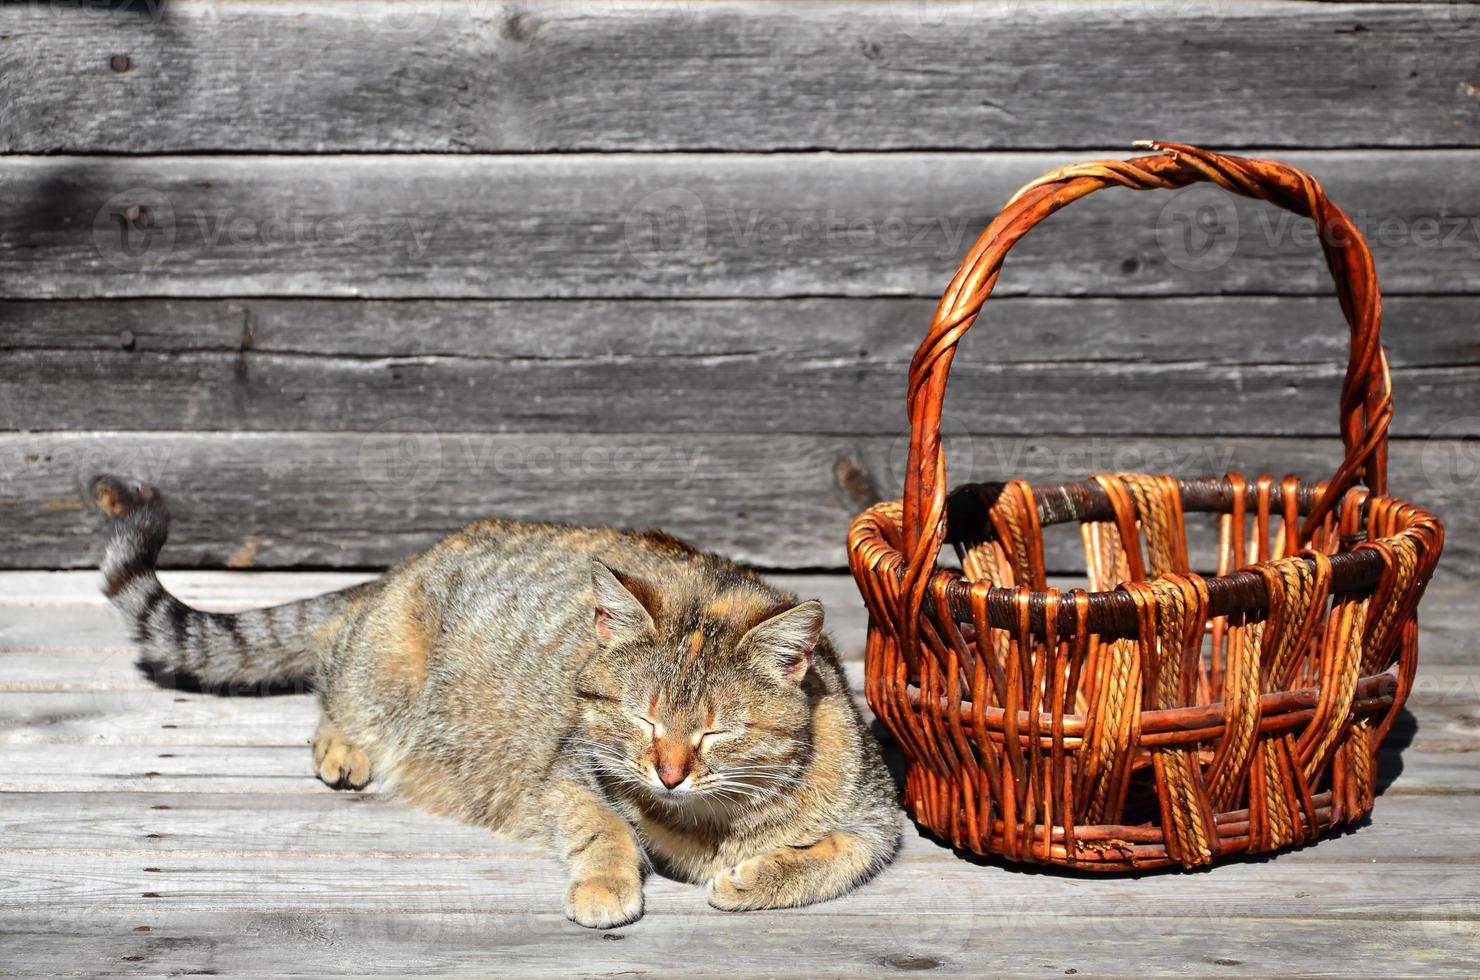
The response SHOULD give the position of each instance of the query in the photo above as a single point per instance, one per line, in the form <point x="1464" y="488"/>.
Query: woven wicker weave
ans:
<point x="1161" y="717"/>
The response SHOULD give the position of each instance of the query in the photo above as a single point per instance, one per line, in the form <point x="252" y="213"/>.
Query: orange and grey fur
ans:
<point x="618" y="696"/>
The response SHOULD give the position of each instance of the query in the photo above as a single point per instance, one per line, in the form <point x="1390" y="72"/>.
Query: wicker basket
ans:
<point x="1160" y="717"/>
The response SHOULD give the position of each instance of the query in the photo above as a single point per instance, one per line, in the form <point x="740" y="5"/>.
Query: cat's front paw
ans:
<point x="755" y="883"/>
<point x="604" y="902"/>
<point x="338" y="763"/>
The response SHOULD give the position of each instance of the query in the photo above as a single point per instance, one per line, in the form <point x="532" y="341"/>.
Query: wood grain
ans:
<point x="587" y="75"/>
<point x="173" y="855"/>
<point x="1010" y="939"/>
<point x="690" y="225"/>
<point x="751" y="366"/>
<point x="179" y="826"/>
<point x="48" y="616"/>
<point x="358" y="499"/>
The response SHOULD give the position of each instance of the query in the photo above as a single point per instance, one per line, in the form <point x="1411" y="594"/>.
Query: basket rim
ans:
<point x="1113" y="613"/>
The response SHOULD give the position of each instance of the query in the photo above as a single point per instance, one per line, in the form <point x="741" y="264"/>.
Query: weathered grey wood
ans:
<point x="153" y="716"/>
<point x="578" y="74"/>
<point x="645" y="225"/>
<point x="1020" y="941"/>
<point x="1417" y="331"/>
<point x="1273" y="365"/>
<point x="1446" y="703"/>
<point x="55" y="620"/>
<point x="26" y="593"/>
<point x="137" y="768"/>
<point x="52" y="614"/>
<point x="1354" y="889"/>
<point x="273" y="500"/>
<point x="42" y="619"/>
<point x="41" y="767"/>
<point x="161" y="857"/>
<point x="178" y="826"/>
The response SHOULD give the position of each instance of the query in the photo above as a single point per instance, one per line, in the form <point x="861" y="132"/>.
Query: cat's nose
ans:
<point x="671" y="774"/>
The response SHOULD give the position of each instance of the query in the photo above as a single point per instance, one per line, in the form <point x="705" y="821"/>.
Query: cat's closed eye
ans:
<point x="702" y="739"/>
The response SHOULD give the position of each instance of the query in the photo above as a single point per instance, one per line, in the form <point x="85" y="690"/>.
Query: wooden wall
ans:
<point x="340" y="276"/>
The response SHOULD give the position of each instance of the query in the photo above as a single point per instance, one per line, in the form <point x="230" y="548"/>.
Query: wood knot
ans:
<point x="855" y="481"/>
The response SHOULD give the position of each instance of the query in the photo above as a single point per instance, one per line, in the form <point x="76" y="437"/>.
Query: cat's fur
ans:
<point x="549" y="682"/>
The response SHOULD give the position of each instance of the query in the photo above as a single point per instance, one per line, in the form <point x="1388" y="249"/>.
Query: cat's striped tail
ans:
<point x="259" y="646"/>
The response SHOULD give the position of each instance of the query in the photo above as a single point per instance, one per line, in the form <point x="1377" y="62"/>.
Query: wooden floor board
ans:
<point x="159" y="830"/>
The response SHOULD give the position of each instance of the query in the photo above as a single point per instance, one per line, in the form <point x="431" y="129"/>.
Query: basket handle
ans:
<point x="1366" y="404"/>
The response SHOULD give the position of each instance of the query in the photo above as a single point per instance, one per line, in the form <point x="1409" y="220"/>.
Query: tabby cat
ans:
<point x="626" y="700"/>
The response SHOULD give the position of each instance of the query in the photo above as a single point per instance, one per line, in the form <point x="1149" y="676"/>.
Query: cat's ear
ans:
<point x="785" y="642"/>
<point x="618" y="611"/>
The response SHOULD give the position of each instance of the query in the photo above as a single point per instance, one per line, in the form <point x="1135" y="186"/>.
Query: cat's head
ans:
<point x="697" y="697"/>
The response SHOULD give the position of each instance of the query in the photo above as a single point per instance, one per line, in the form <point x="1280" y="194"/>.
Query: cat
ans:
<point x="618" y="696"/>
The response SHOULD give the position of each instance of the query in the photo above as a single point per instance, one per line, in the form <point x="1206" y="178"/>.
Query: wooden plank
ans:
<point x="805" y="365"/>
<point x="1418" y="331"/>
<point x="136" y="768"/>
<point x="1445" y="704"/>
<point x="51" y="614"/>
<point x="1442" y="763"/>
<point x="679" y="225"/>
<point x="179" y="826"/>
<point x="158" y="716"/>
<point x="233" y="858"/>
<point x="42" y="619"/>
<point x="697" y="941"/>
<point x="41" y="767"/>
<point x="1352" y="890"/>
<point x="274" y="500"/>
<point x="483" y="76"/>
<point x="222" y="591"/>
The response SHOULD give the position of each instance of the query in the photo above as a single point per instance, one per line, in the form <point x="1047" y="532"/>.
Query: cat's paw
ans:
<point x="338" y="763"/>
<point x="604" y="901"/>
<point x="755" y="883"/>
